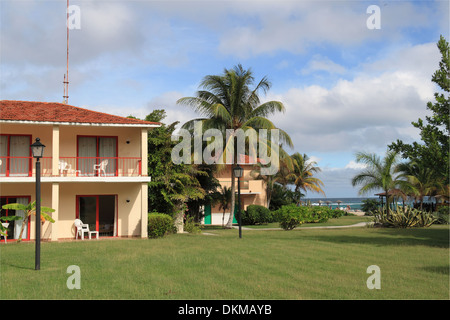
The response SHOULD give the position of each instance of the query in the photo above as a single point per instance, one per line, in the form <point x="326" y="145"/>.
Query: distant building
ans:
<point x="253" y="191"/>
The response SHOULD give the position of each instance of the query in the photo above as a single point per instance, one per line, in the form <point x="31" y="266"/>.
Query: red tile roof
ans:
<point x="59" y="112"/>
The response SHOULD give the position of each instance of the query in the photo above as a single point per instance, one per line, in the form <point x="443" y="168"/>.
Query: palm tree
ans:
<point x="380" y="174"/>
<point x="29" y="209"/>
<point x="422" y="178"/>
<point x="283" y="176"/>
<point x="303" y="172"/>
<point x="224" y="199"/>
<point x="227" y="101"/>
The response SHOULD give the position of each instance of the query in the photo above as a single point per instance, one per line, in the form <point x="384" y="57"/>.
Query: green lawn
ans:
<point x="303" y="263"/>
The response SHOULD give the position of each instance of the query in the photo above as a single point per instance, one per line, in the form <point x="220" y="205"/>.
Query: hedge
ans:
<point x="159" y="224"/>
<point x="291" y="216"/>
<point x="256" y="214"/>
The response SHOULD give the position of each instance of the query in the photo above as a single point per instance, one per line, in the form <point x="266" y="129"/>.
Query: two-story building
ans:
<point x="253" y="191"/>
<point x="94" y="168"/>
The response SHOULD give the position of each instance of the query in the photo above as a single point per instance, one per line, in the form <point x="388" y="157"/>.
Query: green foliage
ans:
<point x="303" y="172"/>
<point x="159" y="224"/>
<point x="435" y="145"/>
<point x="191" y="226"/>
<point x="28" y="209"/>
<point x="172" y="184"/>
<point x="6" y="219"/>
<point x="403" y="218"/>
<point x="281" y="196"/>
<point x="442" y="215"/>
<point x="256" y="214"/>
<point x="291" y="216"/>
<point x="369" y="206"/>
<point x="231" y="101"/>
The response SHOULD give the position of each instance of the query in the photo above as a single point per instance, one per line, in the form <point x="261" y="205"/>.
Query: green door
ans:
<point x="208" y="214"/>
<point x="235" y="217"/>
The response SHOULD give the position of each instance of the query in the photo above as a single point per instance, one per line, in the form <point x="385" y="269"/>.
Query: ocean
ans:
<point x="354" y="203"/>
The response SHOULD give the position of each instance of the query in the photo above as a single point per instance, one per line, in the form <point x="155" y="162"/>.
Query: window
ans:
<point x="15" y="155"/>
<point x="97" y="156"/>
<point x="15" y="226"/>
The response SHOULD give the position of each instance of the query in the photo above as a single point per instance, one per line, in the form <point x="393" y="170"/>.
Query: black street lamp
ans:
<point x="37" y="149"/>
<point x="238" y="171"/>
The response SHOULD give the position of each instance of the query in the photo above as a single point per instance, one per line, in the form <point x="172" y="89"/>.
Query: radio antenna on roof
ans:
<point x="66" y="76"/>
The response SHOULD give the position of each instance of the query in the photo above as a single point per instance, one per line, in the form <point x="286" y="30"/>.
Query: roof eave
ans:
<point x="136" y="125"/>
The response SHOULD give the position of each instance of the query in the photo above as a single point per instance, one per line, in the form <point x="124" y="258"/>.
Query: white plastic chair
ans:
<point x="6" y="225"/>
<point x="101" y="167"/>
<point x="64" y="166"/>
<point x="83" y="228"/>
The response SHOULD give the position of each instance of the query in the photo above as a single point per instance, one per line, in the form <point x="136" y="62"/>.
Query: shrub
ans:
<point x="159" y="224"/>
<point x="336" y="213"/>
<point x="403" y="218"/>
<point x="256" y="214"/>
<point x="369" y="206"/>
<point x="442" y="215"/>
<point x="290" y="216"/>
<point x="318" y="214"/>
<point x="191" y="226"/>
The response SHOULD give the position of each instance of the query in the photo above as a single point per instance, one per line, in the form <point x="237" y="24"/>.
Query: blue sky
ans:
<point x="346" y="87"/>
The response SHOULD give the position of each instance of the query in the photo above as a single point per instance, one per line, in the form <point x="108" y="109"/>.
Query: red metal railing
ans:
<point x="72" y="167"/>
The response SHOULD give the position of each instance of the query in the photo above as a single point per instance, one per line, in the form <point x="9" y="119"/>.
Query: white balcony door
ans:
<point x="107" y="150"/>
<point x="15" y="155"/>
<point x="95" y="156"/>
<point x="87" y="153"/>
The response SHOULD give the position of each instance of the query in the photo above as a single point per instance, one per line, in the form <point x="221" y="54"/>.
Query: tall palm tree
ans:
<point x="380" y="174"/>
<point x="422" y="178"/>
<point x="303" y="173"/>
<point x="228" y="101"/>
<point x="224" y="199"/>
<point x="283" y="176"/>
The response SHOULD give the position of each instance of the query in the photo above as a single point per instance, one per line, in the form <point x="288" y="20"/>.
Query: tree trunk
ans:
<point x="179" y="223"/>
<point x="25" y="222"/>
<point x="233" y="199"/>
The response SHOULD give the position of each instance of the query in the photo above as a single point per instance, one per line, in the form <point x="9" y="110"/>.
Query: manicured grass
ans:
<point x="303" y="263"/>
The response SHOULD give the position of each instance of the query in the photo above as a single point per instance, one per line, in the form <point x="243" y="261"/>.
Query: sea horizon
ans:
<point x="355" y="203"/>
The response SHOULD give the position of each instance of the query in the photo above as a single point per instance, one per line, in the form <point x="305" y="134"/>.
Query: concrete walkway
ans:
<point x="360" y="224"/>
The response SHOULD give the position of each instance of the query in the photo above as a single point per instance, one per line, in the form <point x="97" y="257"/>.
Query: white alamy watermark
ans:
<point x="260" y="144"/>
<point x="73" y="17"/>
<point x="374" y="21"/>
<point x="374" y="281"/>
<point x="74" y="280"/>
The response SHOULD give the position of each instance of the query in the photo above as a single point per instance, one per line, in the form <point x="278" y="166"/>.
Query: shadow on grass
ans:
<point x="438" y="269"/>
<point x="431" y="237"/>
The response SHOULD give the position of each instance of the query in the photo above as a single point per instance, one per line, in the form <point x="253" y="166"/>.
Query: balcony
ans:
<point x="72" y="167"/>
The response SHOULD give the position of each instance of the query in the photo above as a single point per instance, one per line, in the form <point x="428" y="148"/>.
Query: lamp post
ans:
<point x="238" y="174"/>
<point x="37" y="149"/>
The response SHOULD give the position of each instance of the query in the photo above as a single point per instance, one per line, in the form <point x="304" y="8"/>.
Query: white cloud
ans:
<point x="319" y="63"/>
<point x="369" y="111"/>
<point x="355" y="165"/>
<point x="295" y="26"/>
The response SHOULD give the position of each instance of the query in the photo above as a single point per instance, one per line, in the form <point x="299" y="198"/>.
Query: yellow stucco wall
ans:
<point x="128" y="213"/>
<point x="61" y="195"/>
